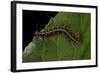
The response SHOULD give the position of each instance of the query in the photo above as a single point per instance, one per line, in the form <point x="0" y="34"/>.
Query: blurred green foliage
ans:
<point x="60" y="47"/>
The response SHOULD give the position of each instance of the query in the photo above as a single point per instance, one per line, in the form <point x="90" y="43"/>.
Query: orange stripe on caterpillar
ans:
<point x="59" y="30"/>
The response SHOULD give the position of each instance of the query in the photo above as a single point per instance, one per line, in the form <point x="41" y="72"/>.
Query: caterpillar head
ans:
<point x="36" y="33"/>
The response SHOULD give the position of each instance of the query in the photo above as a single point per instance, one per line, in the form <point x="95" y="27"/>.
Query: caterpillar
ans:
<point x="58" y="30"/>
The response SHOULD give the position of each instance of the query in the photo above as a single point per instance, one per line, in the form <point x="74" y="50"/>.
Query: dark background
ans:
<point x="34" y="21"/>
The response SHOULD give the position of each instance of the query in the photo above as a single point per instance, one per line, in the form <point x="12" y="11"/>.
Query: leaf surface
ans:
<point x="60" y="47"/>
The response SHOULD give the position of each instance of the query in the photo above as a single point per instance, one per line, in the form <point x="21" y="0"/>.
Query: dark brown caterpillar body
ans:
<point x="59" y="30"/>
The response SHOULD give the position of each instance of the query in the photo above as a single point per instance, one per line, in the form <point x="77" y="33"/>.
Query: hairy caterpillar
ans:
<point x="59" y="30"/>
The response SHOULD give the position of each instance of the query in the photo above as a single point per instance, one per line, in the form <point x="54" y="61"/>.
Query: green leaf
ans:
<point x="60" y="47"/>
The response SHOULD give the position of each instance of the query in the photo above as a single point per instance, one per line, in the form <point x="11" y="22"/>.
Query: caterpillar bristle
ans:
<point x="59" y="30"/>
